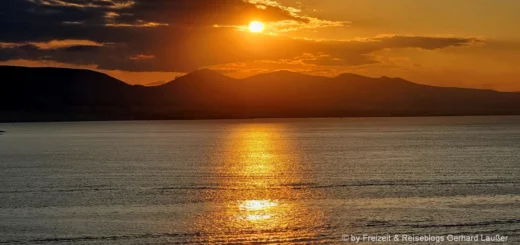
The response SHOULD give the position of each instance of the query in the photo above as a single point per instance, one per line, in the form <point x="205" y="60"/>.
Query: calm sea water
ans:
<point x="266" y="181"/>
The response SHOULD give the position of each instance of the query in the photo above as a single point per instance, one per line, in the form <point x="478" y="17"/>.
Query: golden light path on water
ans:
<point x="256" y="170"/>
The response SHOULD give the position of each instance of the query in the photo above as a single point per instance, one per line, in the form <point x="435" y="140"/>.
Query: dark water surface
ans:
<point x="273" y="181"/>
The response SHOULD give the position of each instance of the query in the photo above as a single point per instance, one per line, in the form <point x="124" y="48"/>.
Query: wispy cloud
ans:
<point x="110" y="4"/>
<point x="54" y="44"/>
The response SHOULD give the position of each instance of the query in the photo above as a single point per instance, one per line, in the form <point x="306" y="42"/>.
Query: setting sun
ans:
<point x="256" y="26"/>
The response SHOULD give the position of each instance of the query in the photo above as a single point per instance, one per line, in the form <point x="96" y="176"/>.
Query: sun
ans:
<point x="256" y="26"/>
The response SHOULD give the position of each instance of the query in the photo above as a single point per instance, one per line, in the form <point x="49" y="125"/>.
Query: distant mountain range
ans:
<point x="57" y="94"/>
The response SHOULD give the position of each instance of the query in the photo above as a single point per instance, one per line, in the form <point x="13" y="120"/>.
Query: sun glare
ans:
<point x="256" y="26"/>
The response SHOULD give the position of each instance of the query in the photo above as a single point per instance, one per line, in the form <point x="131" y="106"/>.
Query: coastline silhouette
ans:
<point x="59" y="94"/>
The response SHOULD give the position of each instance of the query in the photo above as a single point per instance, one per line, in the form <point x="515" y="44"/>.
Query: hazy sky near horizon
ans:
<point x="464" y="43"/>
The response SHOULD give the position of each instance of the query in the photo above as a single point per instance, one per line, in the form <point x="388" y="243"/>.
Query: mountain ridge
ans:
<point x="207" y="70"/>
<point x="57" y="94"/>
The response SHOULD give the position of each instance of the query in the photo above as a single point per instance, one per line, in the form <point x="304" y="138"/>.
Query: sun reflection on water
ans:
<point x="256" y="169"/>
<point x="256" y="210"/>
<point x="254" y="205"/>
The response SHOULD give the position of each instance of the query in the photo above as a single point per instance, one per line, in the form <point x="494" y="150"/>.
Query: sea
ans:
<point x="430" y="180"/>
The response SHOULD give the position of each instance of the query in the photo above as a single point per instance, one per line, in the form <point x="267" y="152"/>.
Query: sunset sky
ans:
<point x="464" y="43"/>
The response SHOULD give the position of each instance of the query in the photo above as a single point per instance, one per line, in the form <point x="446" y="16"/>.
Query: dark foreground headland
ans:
<point x="57" y="94"/>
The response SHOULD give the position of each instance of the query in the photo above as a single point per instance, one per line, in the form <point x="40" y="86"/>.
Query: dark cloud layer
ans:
<point x="173" y="35"/>
<point x="40" y="20"/>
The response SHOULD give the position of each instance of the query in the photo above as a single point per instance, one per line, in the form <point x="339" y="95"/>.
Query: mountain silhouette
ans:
<point x="157" y="83"/>
<point x="49" y="94"/>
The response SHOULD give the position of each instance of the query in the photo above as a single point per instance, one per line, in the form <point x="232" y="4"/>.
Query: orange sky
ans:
<point x="463" y="43"/>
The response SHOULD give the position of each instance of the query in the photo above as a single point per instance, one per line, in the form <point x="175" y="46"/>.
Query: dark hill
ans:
<point x="26" y="88"/>
<point x="41" y="94"/>
<point x="202" y="89"/>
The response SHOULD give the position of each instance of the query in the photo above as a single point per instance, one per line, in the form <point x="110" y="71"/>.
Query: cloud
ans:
<point x="429" y="43"/>
<point x="142" y="57"/>
<point x="192" y="49"/>
<point x="178" y="35"/>
<point x="54" y="44"/>
<point x="109" y="4"/>
<point x="122" y="21"/>
<point x="126" y="13"/>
